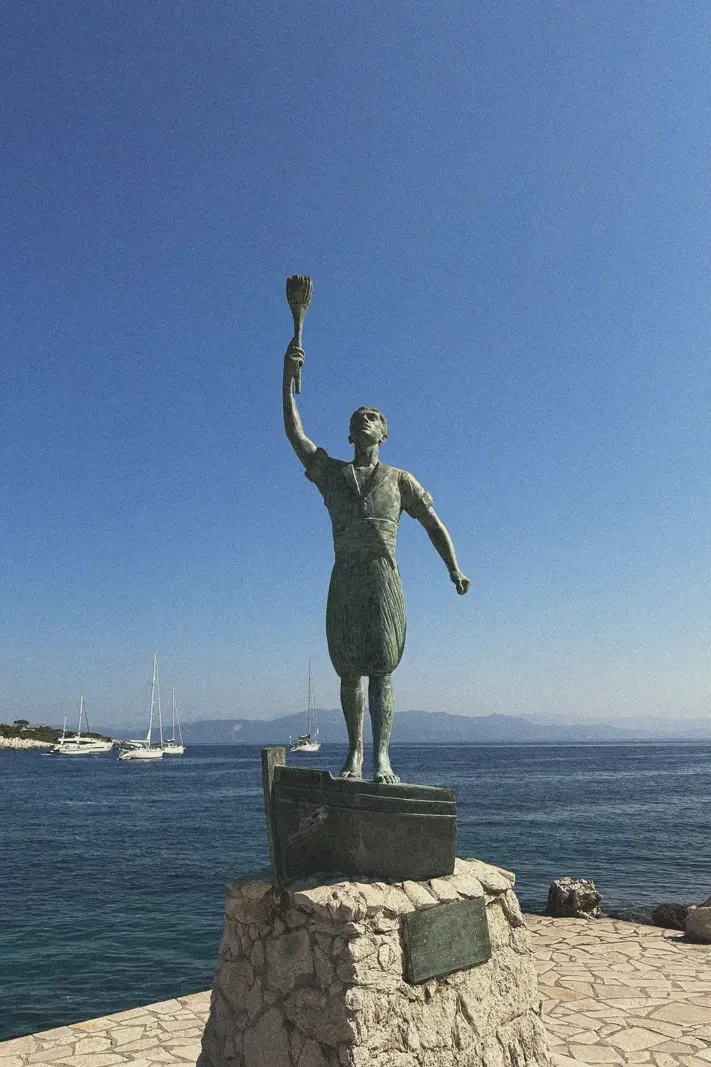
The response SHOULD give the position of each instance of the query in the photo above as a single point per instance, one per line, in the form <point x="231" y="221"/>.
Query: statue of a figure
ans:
<point x="365" y="614"/>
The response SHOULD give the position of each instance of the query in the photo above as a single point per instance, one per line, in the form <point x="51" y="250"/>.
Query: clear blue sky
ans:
<point x="505" y="210"/>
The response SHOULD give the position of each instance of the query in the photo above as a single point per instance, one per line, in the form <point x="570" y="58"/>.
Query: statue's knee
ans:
<point x="351" y="682"/>
<point x="380" y="683"/>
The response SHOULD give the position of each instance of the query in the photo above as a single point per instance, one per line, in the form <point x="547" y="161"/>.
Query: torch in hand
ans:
<point x="298" y="295"/>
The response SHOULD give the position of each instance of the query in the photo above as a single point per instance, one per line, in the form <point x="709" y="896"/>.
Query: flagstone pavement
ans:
<point x="617" y="992"/>
<point x="612" y="992"/>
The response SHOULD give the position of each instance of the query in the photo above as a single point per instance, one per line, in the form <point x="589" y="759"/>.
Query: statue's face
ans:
<point x="367" y="427"/>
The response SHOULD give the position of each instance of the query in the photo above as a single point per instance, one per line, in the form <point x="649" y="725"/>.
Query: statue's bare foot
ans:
<point x="386" y="778"/>
<point x="384" y="773"/>
<point x="352" y="768"/>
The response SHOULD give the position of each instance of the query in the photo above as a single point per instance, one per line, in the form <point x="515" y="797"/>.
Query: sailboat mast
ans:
<point x="86" y="717"/>
<point x="160" y="717"/>
<point x="176" y="718"/>
<point x="81" y="713"/>
<point x="314" y="713"/>
<point x="310" y="703"/>
<point x="153" y="697"/>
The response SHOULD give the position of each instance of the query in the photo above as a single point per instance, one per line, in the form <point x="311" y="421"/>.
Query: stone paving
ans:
<point x="613" y="992"/>
<point x="168" y="1032"/>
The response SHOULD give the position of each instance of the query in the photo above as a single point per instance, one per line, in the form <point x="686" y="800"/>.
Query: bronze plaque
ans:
<point x="446" y="938"/>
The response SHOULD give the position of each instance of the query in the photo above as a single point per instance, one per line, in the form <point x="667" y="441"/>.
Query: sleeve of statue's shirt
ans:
<point x="415" y="501"/>
<point x="317" y="469"/>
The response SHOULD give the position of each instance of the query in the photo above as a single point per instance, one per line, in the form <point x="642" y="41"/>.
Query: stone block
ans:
<point x="698" y="925"/>
<point x="330" y="989"/>
<point x="266" y="1043"/>
<point x="575" y="898"/>
<point x="289" y="959"/>
<point x="671" y="916"/>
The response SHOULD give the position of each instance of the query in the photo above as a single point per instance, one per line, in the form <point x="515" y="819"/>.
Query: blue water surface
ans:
<point x="112" y="874"/>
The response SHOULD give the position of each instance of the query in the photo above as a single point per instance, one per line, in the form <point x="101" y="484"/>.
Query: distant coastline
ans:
<point x="414" y="727"/>
<point x="27" y="737"/>
<point x="435" y="727"/>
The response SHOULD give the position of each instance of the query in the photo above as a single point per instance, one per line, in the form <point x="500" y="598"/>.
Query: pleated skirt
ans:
<point x="365" y="617"/>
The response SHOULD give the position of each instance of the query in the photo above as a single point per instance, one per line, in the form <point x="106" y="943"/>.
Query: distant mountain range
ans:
<point x="436" y="727"/>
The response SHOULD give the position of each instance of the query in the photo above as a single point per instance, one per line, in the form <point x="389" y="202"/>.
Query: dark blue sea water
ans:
<point x="112" y="874"/>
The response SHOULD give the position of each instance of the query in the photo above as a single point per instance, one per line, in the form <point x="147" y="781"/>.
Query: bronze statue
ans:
<point x="365" y="614"/>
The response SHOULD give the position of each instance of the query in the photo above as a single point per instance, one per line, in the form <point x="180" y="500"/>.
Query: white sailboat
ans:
<point x="144" y="748"/>
<point x="171" y="747"/>
<point x="80" y="744"/>
<point x="309" y="741"/>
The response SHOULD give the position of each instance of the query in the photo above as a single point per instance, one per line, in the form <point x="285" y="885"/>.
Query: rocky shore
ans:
<point x="23" y="736"/>
<point x="17" y="744"/>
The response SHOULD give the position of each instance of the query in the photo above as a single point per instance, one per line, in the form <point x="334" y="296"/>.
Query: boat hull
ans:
<point x="70" y="749"/>
<point x="173" y="750"/>
<point x="141" y="754"/>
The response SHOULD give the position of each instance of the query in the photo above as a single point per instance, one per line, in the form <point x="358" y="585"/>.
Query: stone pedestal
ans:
<point x="313" y="976"/>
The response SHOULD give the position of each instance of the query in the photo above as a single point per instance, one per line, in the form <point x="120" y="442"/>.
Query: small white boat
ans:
<point x="171" y="747"/>
<point x="144" y="748"/>
<point x="309" y="741"/>
<point x="139" y="750"/>
<point x="79" y="744"/>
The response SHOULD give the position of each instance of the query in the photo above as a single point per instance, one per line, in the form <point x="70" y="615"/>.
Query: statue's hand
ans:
<point x="461" y="581"/>
<point x="293" y="360"/>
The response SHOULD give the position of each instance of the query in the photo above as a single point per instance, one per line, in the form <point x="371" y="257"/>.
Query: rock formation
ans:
<point x="573" y="898"/>
<point x="671" y="916"/>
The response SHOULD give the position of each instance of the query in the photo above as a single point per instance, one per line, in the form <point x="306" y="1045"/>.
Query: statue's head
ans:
<point x="369" y="425"/>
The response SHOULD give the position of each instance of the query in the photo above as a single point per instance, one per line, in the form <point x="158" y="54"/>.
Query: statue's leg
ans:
<point x="382" y="707"/>
<point x="353" y="705"/>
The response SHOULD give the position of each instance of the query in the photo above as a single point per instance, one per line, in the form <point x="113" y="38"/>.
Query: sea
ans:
<point x="112" y="875"/>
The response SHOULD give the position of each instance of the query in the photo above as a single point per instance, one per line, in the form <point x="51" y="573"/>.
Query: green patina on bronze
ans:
<point x="365" y="615"/>
<point x="319" y="824"/>
<point x="274" y="756"/>
<point x="446" y="938"/>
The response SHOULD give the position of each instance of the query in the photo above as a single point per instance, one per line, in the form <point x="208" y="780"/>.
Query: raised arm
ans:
<point x="439" y="536"/>
<point x="304" y="448"/>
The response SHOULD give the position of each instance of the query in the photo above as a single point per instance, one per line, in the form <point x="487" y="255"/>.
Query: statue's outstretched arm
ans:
<point x="304" y="448"/>
<point x="439" y="536"/>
